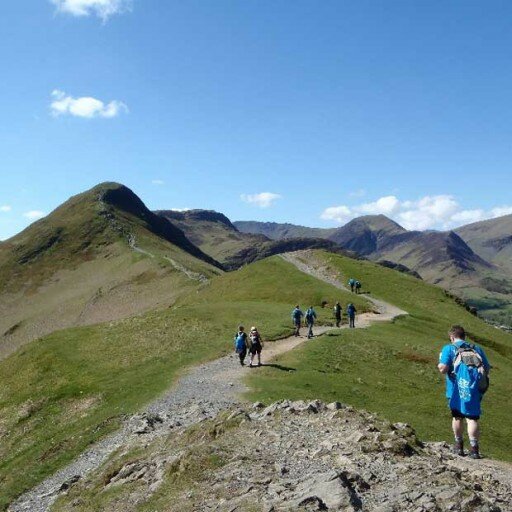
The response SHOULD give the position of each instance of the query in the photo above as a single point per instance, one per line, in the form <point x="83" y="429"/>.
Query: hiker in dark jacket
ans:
<point x="297" y="315"/>
<point x="241" y="344"/>
<point x="337" y="313"/>
<point x="351" y="313"/>
<point x="466" y="368"/>
<point x="358" y="286"/>
<point x="256" y="345"/>
<point x="310" y="320"/>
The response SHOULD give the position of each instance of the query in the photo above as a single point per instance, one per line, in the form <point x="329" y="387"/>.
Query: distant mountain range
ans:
<point x="474" y="261"/>
<point x="103" y="255"/>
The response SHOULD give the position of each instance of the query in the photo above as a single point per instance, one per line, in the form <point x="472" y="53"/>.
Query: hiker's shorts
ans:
<point x="457" y="414"/>
<point x="255" y="348"/>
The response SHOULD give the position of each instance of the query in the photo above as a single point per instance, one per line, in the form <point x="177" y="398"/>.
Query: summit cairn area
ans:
<point x="291" y="456"/>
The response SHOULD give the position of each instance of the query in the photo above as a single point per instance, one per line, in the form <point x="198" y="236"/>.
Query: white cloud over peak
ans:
<point x="86" y="106"/>
<point x="262" y="200"/>
<point x="34" y="214"/>
<point x="501" y="210"/>
<point x="101" y="8"/>
<point x="158" y="182"/>
<point x="5" y="208"/>
<point x="428" y="212"/>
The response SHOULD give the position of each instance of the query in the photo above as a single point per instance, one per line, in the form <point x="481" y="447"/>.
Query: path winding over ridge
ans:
<point x="200" y="394"/>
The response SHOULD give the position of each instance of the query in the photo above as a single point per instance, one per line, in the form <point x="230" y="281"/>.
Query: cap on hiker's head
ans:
<point x="253" y="329"/>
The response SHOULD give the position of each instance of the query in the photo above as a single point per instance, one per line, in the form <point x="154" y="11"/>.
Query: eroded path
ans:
<point x="199" y="394"/>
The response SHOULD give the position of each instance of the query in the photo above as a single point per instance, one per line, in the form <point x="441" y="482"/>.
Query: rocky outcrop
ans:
<point x="294" y="456"/>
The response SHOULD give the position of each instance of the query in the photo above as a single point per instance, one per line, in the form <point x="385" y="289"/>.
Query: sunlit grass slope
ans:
<point x="67" y="390"/>
<point x="391" y="368"/>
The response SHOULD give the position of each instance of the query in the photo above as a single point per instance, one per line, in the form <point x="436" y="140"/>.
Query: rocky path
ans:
<point x="200" y="394"/>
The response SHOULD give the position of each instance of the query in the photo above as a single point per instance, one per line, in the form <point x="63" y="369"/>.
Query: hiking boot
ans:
<point x="474" y="453"/>
<point x="458" y="449"/>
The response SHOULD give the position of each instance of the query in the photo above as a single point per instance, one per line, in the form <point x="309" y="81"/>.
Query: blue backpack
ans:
<point x="470" y="373"/>
<point x="240" y="342"/>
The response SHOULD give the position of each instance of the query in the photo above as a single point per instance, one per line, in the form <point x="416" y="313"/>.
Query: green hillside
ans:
<point x="391" y="368"/>
<point x="102" y="255"/>
<point x="69" y="389"/>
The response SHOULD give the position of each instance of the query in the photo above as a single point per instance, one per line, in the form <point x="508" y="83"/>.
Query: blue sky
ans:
<point x="329" y="109"/>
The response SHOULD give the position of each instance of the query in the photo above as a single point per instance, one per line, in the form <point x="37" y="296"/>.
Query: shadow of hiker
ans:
<point x="279" y="367"/>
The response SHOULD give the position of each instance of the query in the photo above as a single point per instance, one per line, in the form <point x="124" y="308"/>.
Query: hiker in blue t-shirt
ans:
<point x="241" y="344"/>
<point x="351" y="313"/>
<point x="352" y="283"/>
<point x="466" y="368"/>
<point x="310" y="320"/>
<point x="297" y="315"/>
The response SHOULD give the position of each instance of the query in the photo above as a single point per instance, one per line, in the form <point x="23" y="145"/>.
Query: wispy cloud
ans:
<point x="358" y="193"/>
<point x="103" y="9"/>
<point x="428" y="212"/>
<point x="63" y="104"/>
<point x="158" y="182"/>
<point x="5" y="208"/>
<point x="262" y="200"/>
<point x="34" y="214"/>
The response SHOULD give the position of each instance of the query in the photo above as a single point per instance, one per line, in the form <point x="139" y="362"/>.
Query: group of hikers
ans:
<point x="253" y="343"/>
<point x="355" y="285"/>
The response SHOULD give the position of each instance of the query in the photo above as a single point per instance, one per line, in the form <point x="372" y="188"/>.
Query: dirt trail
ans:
<point x="307" y="262"/>
<point x="201" y="393"/>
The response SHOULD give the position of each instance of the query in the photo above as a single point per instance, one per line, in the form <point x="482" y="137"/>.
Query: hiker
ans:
<point x="351" y="313"/>
<point x="352" y="283"/>
<point x="337" y="313"/>
<point x="310" y="320"/>
<point x="241" y="344"/>
<point x="357" y="286"/>
<point x="256" y="345"/>
<point x="466" y="368"/>
<point x="297" y="315"/>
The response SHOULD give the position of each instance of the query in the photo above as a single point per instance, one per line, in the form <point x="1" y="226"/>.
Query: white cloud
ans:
<point x="5" y="208"/>
<point x="428" y="212"/>
<point x="34" y="214"/>
<point x="85" y="106"/>
<point x="158" y="182"/>
<point x="263" y="199"/>
<point x="101" y="8"/>
<point x="501" y="210"/>
<point x="341" y="214"/>
<point x="386" y="205"/>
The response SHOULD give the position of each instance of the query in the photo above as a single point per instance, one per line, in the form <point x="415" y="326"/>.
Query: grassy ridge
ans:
<point x="391" y="368"/>
<point x="67" y="390"/>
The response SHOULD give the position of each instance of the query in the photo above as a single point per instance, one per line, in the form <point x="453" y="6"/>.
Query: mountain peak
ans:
<point x="197" y="215"/>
